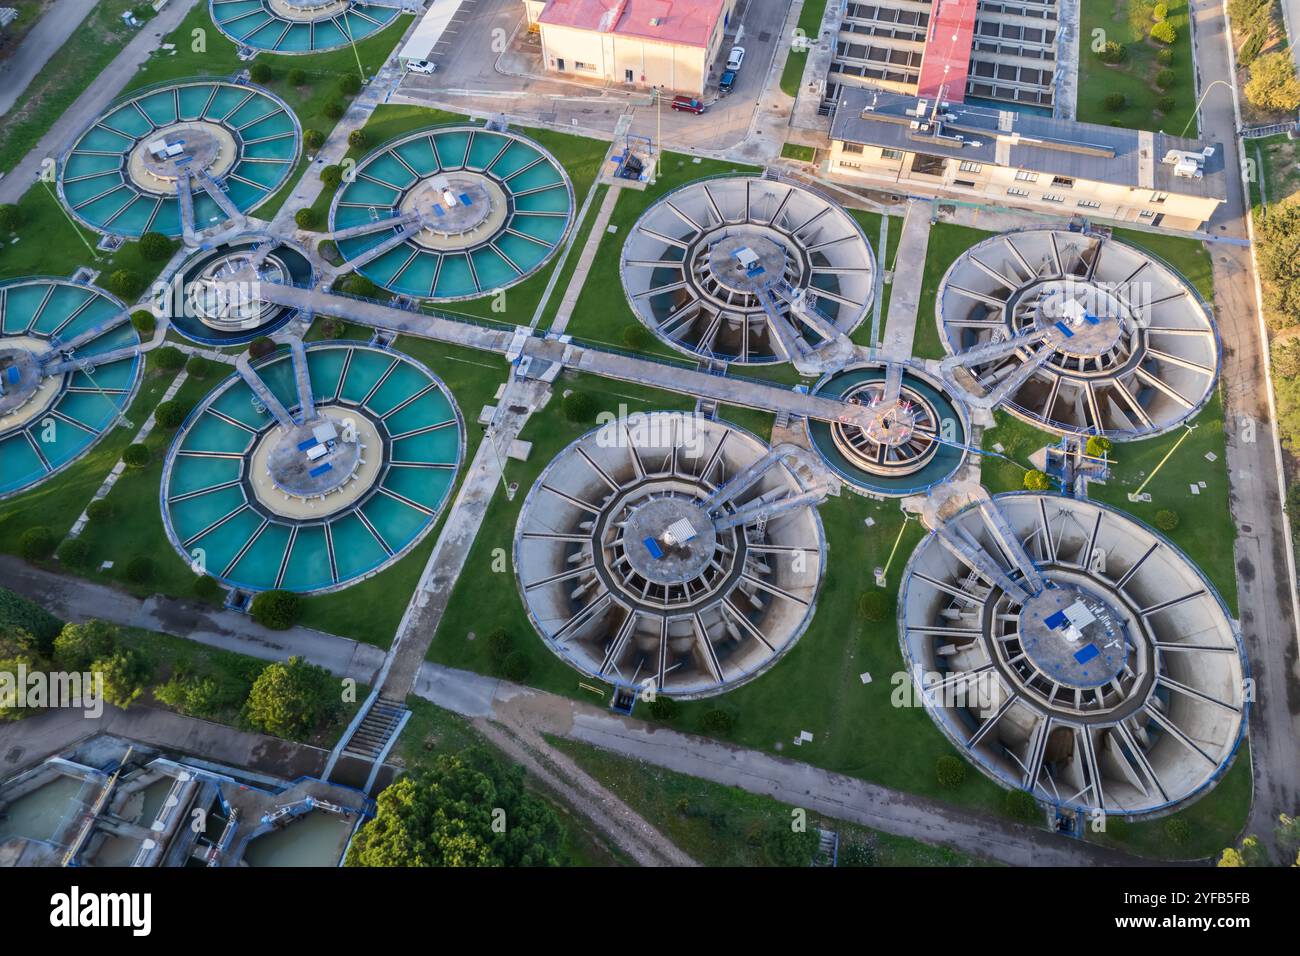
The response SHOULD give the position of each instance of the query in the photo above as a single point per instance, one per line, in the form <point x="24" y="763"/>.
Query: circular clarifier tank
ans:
<point x="913" y="439"/>
<point x="453" y="212"/>
<point x="1075" y="653"/>
<point x="69" y="366"/>
<point x="641" y="554"/>
<point x="299" y="26"/>
<point x="737" y="268"/>
<point x="212" y="301"/>
<point x="200" y="151"/>
<point x="1078" y="332"/>
<point x="266" y="491"/>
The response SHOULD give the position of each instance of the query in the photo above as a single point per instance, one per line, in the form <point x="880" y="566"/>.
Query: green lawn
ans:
<point x="801" y="154"/>
<point x="810" y="22"/>
<point x="1019" y="440"/>
<point x="1135" y="77"/>
<point x="717" y="825"/>
<point x="870" y="223"/>
<point x="947" y="242"/>
<point x="1187" y="257"/>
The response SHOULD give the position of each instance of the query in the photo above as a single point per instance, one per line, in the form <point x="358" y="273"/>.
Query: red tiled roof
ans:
<point x="686" y="22"/>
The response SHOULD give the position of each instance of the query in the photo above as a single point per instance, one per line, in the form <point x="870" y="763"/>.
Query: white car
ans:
<point x="422" y="66"/>
<point x="735" y="57"/>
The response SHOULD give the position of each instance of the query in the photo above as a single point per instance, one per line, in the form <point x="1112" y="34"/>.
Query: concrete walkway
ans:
<point x="41" y="42"/>
<point x="472" y="695"/>
<point x="909" y="273"/>
<point x="92" y="102"/>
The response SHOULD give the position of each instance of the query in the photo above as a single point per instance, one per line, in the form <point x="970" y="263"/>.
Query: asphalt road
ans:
<point x="41" y="43"/>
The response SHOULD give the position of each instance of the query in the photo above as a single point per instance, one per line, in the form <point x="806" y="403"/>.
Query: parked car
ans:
<point x="687" y="104"/>
<point x="727" y="82"/>
<point x="735" y="57"/>
<point x="422" y="66"/>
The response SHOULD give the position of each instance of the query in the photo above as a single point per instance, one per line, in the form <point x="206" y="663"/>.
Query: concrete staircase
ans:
<point x="375" y="733"/>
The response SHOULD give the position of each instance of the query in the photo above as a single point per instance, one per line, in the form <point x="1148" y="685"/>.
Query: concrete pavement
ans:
<point x="909" y="275"/>
<point x="42" y="42"/>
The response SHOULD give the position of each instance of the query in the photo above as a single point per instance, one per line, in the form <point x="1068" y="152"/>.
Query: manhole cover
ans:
<point x="13" y="755"/>
<point x="764" y="37"/>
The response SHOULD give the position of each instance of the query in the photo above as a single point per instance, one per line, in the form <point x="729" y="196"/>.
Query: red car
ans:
<point x="687" y="104"/>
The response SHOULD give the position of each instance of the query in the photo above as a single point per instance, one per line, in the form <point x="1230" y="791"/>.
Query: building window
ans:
<point x="1013" y="191"/>
<point x="1053" y="197"/>
<point x="1146" y="214"/>
<point x="968" y="167"/>
<point x="844" y="164"/>
<point x="854" y="149"/>
<point x="891" y="154"/>
<point x="579" y="65"/>
<point x="1065" y="182"/>
<point x="1026" y="177"/>
<point x="1159" y="197"/>
<point x="629" y="76"/>
<point x="1089" y="204"/>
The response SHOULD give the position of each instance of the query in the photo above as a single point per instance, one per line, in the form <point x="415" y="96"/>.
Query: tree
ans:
<point x="169" y="358"/>
<point x="209" y="589"/>
<point x="1250" y="853"/>
<point x="1166" y="79"/>
<point x="787" y="847"/>
<point x="10" y="662"/>
<point x="125" y="675"/>
<point x="1278" y="250"/>
<point x="1166" y="520"/>
<point x="11" y="217"/>
<point x="199" y="367"/>
<point x="445" y="815"/>
<point x="950" y="771"/>
<point x="290" y="698"/>
<point x="126" y="284"/>
<point x="36" y="543"/>
<point x="1036" y="480"/>
<point x="278" y="610"/>
<point x="350" y="84"/>
<point x="144" y="322"/>
<point x="1021" y="805"/>
<point x="260" y="73"/>
<point x="1285" y="353"/>
<point x="74" y="553"/>
<point x="306" y="218"/>
<point x="21" y="616"/>
<point x="136" y="455"/>
<point x="155" y="247"/>
<point x="579" y="407"/>
<point x="1273" y="84"/>
<point x="172" y="414"/>
<point x="313" y="139"/>
<point x="101" y="509"/>
<point x="331" y="176"/>
<point x="358" y="139"/>
<point x="334" y="110"/>
<point x="1164" y="32"/>
<point x="78" y="645"/>
<point x="297" y="76"/>
<point x="140" y="569"/>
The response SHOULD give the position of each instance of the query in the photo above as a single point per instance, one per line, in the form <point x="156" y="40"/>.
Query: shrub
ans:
<point x="358" y="139"/>
<point x="1166" y="79"/>
<point x="334" y="110"/>
<point x="136" y="455"/>
<point x="663" y="708"/>
<point x="19" y="614"/>
<point x="1160" y="12"/>
<point x="169" y="358"/>
<point x="126" y="284"/>
<point x="950" y="771"/>
<point x="1251" y="49"/>
<point x="331" y="176"/>
<point x="172" y="414"/>
<point x="77" y="645"/>
<point x="297" y="76"/>
<point x="1165" y="56"/>
<point x="209" y="589"/>
<point x="155" y="247"/>
<point x="579" y="407"/>
<point x="140" y="569"/>
<point x="1272" y="84"/>
<point x="260" y="347"/>
<point x="516" y="667"/>
<point x="36" y="543"/>
<point x="636" y="337"/>
<point x="1178" y="830"/>
<point x="313" y="138"/>
<point x="873" y="605"/>
<point x="11" y="217"/>
<point x="1021" y="805"/>
<point x="125" y="675"/>
<point x="1036" y="480"/>
<point x="1114" y="102"/>
<point x="1166" y="104"/>
<point x="290" y="698"/>
<point x="1164" y="32"/>
<point x="74" y="553"/>
<point x="349" y="84"/>
<point x="144" y="322"/>
<point x="332" y="328"/>
<point x="329" y="251"/>
<point x="857" y="853"/>
<point x="207" y="697"/>
<point x="1112" y="52"/>
<point x="357" y="284"/>
<point x="260" y="73"/>
<point x="306" y="218"/>
<point x="1166" y="520"/>
<point x="101" y="509"/>
<point x="278" y="610"/>
<point x="1097" y="445"/>
<point x="499" y="646"/>
<point x="718" y="721"/>
<point x="199" y="367"/>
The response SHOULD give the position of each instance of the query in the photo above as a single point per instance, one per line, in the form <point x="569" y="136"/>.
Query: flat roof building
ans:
<point x="667" y="43"/>
<point x="1010" y="158"/>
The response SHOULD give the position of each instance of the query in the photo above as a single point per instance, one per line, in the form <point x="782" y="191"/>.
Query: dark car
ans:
<point x="727" y="82"/>
<point x="687" y="104"/>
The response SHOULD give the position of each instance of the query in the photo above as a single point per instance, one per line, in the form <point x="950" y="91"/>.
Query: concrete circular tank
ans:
<point x="739" y="268"/>
<point x="299" y="26"/>
<point x="210" y="303"/>
<point x="1077" y="332"/>
<point x="1073" y="652"/>
<point x="673" y="548"/>
<point x="913" y="440"/>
